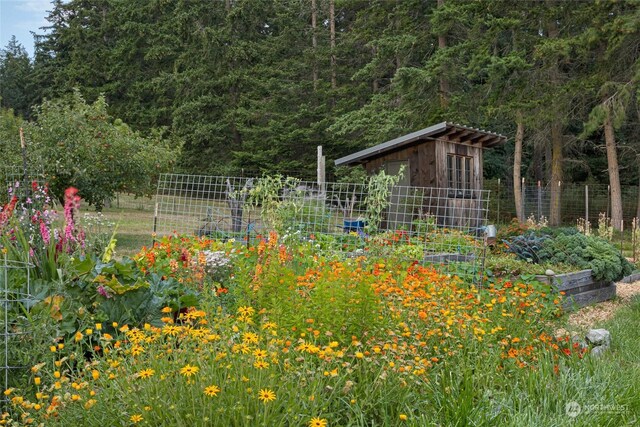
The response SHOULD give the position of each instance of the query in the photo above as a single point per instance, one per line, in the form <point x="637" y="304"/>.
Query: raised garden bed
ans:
<point x="446" y="258"/>
<point x="580" y="288"/>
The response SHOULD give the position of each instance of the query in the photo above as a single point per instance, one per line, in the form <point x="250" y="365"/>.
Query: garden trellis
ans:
<point x="15" y="297"/>
<point x="432" y="225"/>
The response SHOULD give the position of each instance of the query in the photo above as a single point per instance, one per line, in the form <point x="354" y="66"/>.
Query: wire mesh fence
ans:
<point x="14" y="298"/>
<point x="17" y="182"/>
<point x="577" y="201"/>
<point x="437" y="225"/>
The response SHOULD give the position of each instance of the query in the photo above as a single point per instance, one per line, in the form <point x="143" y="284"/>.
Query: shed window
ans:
<point x="459" y="175"/>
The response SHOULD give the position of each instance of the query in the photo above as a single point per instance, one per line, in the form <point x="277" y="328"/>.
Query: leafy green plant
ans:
<point x="527" y="246"/>
<point x="587" y="252"/>
<point x="379" y="189"/>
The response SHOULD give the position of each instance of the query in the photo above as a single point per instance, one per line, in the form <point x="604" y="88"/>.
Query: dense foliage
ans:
<point x="79" y="144"/>
<point x="569" y="247"/>
<point x="255" y="85"/>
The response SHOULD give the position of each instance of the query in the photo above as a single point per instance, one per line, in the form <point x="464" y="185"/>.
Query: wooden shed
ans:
<point x="444" y="156"/>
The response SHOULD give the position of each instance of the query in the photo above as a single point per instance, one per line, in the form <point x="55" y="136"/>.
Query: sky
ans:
<point x="19" y="17"/>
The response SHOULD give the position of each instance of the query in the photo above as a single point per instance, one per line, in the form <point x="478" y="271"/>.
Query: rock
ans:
<point x="599" y="337"/>
<point x="598" y="351"/>
<point x="550" y="272"/>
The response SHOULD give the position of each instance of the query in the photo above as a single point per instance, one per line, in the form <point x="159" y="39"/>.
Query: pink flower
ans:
<point x="103" y="291"/>
<point x="44" y="232"/>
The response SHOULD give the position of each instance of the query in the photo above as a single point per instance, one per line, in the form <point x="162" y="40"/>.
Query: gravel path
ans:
<point x="594" y="316"/>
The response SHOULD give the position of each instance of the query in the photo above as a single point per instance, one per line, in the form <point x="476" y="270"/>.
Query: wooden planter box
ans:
<point x="446" y="258"/>
<point x="580" y="288"/>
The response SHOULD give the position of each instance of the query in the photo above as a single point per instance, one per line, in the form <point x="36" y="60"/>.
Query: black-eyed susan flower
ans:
<point x="266" y="395"/>
<point x="260" y="364"/>
<point x="145" y="373"/>
<point x="260" y="353"/>
<point x="317" y="422"/>
<point x="189" y="370"/>
<point x="212" y="390"/>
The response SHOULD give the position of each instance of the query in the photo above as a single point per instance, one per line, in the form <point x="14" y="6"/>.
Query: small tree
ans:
<point x="78" y="144"/>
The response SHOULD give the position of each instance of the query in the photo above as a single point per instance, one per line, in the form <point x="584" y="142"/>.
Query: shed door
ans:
<point x="400" y="212"/>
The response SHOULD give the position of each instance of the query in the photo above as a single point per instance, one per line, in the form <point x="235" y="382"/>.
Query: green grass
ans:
<point x="135" y="228"/>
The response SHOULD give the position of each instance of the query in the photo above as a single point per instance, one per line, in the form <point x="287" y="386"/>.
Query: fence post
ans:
<point x="155" y="224"/>
<point x="524" y="199"/>
<point x="498" y="216"/>
<point x="320" y="171"/>
<point x="608" y="200"/>
<point x="586" y="204"/>
<point x="539" y="200"/>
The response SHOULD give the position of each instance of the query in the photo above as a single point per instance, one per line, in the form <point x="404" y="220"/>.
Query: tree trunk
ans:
<point x="614" y="174"/>
<point x="444" y="83"/>
<point x="332" y="31"/>
<point x="517" y="164"/>
<point x="556" y="173"/>
<point x="314" y="42"/>
<point x="556" y="138"/>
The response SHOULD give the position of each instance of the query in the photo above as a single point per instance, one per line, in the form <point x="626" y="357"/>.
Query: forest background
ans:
<point x="253" y="86"/>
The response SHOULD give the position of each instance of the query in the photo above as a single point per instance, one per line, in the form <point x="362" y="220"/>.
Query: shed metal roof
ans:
<point x="453" y="131"/>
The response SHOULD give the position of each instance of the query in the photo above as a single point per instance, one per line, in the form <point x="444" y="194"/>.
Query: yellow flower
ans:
<point x="8" y="391"/>
<point x="359" y="355"/>
<point x="56" y="374"/>
<point x="145" y="373"/>
<point x="89" y="403"/>
<point x="318" y="422"/>
<point x="189" y="370"/>
<point x="95" y="374"/>
<point x="98" y="326"/>
<point x="136" y="418"/>
<point x="250" y="338"/>
<point x="53" y="348"/>
<point x="75" y="397"/>
<point x="78" y="336"/>
<point x="166" y="310"/>
<point x="246" y="311"/>
<point x="212" y="390"/>
<point x="403" y="417"/>
<point x="259" y="353"/>
<point x="266" y="395"/>
<point x="37" y="380"/>
<point x="260" y="364"/>
<point x="88" y="331"/>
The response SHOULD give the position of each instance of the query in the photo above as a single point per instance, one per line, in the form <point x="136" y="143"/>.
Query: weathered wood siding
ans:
<point x="422" y="163"/>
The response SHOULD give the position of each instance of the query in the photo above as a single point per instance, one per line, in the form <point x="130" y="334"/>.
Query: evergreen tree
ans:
<point x="15" y="71"/>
